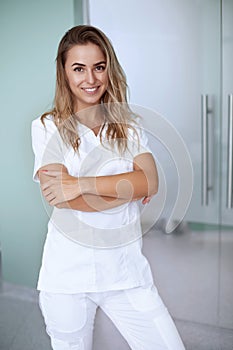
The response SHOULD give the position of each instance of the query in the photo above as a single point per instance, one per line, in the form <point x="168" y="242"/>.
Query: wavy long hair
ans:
<point x="117" y="113"/>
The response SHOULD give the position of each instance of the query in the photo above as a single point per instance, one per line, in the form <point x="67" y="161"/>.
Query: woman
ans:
<point x="93" y="163"/>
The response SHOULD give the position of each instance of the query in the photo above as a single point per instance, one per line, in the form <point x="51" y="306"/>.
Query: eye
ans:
<point x="78" y="69"/>
<point x="100" y="68"/>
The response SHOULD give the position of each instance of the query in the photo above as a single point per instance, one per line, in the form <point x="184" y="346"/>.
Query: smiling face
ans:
<point x="85" y="68"/>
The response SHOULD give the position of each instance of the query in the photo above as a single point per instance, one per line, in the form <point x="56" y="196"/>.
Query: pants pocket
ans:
<point x="63" y="313"/>
<point x="144" y="298"/>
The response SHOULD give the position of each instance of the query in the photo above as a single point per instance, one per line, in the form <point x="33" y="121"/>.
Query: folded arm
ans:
<point x="101" y="192"/>
<point x="85" y="202"/>
<point x="134" y="185"/>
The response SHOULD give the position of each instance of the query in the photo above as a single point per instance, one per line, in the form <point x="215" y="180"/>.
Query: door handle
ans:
<point x="230" y="151"/>
<point x="205" y="112"/>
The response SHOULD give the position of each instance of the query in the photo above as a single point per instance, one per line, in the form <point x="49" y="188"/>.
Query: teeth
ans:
<point x="90" y="89"/>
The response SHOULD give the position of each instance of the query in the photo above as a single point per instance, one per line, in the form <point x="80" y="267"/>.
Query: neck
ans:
<point x="92" y="117"/>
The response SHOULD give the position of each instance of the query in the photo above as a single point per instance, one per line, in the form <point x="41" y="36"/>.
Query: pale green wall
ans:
<point x="29" y="34"/>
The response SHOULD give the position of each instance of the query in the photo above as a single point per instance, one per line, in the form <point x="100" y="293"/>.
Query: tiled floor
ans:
<point x="194" y="279"/>
<point x="21" y="326"/>
<point x="193" y="272"/>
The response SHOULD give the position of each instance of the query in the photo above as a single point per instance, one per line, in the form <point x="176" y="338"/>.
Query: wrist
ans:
<point x="85" y="185"/>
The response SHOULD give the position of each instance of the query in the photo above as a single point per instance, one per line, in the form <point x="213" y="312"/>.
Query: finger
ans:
<point x="50" y="197"/>
<point x="52" y="173"/>
<point x="62" y="205"/>
<point x="47" y="184"/>
<point x="59" y="206"/>
<point x="55" y="201"/>
<point x="146" y="200"/>
<point x="46" y="192"/>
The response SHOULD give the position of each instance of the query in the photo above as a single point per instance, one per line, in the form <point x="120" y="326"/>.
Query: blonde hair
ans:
<point x="118" y="114"/>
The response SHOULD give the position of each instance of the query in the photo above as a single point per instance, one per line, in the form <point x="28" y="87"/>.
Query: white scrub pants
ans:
<point x="138" y="313"/>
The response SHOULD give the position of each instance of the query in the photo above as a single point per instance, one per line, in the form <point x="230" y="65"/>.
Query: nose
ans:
<point x="90" y="77"/>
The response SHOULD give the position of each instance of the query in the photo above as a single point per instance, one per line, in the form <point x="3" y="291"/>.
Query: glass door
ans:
<point x="179" y="63"/>
<point x="226" y="237"/>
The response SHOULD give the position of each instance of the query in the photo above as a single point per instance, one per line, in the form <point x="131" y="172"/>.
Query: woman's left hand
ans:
<point x="146" y="199"/>
<point x="61" y="187"/>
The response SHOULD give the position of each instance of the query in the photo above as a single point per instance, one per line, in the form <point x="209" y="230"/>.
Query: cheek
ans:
<point x="71" y="82"/>
<point x="72" y="79"/>
<point x="68" y="80"/>
<point x="105" y="80"/>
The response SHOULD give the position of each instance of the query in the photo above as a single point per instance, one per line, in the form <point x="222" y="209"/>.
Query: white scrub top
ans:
<point x="97" y="251"/>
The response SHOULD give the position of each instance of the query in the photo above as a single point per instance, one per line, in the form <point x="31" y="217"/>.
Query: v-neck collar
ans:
<point x="87" y="129"/>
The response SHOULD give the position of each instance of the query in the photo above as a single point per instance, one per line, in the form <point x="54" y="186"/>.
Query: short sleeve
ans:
<point x="46" y="145"/>
<point x="138" y="141"/>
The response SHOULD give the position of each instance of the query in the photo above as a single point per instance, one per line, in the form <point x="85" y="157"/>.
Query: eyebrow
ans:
<point x="83" y="65"/>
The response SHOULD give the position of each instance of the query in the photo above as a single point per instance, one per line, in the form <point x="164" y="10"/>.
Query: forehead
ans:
<point x="87" y="54"/>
